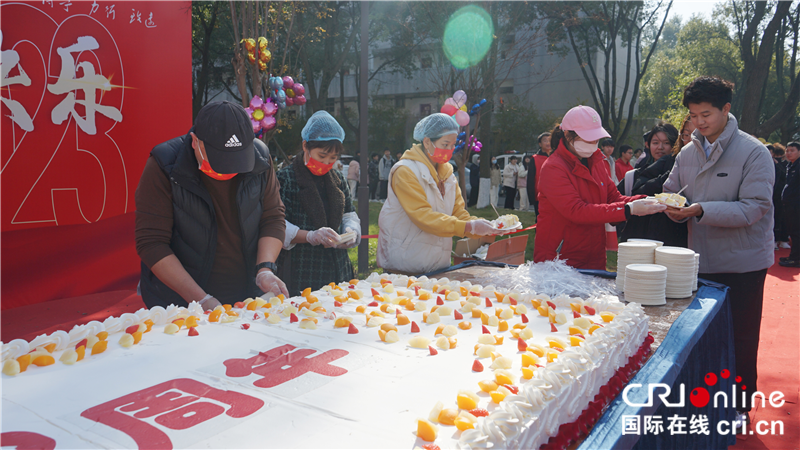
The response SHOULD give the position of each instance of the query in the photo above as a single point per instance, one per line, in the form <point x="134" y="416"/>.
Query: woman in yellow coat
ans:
<point x="425" y="208"/>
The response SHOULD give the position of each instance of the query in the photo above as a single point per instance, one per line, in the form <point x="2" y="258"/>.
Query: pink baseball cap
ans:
<point x="585" y="121"/>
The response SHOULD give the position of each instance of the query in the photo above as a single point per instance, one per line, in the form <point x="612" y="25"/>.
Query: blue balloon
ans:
<point x="483" y="102"/>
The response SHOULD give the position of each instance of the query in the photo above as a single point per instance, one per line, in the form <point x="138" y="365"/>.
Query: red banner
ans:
<point x="88" y="88"/>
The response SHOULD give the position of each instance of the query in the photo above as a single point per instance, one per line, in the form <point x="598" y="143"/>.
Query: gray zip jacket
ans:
<point x="734" y="187"/>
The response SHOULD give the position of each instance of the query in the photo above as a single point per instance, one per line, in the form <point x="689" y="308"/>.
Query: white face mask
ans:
<point x="584" y="149"/>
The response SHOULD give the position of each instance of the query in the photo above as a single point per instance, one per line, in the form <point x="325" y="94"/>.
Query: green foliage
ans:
<point x="702" y="47"/>
<point x="387" y="127"/>
<point x="518" y="124"/>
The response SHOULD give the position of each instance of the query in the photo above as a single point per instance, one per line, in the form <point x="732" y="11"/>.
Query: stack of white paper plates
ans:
<point x="637" y="252"/>
<point x="646" y="284"/>
<point x="658" y="243"/>
<point x="681" y="266"/>
<point x="696" y="271"/>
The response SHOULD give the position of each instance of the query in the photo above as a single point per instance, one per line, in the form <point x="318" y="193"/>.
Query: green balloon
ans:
<point x="468" y="36"/>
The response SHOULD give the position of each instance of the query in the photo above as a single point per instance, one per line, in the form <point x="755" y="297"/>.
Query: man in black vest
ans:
<point x="209" y="218"/>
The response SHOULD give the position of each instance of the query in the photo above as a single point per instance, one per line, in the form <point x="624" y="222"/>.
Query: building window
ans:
<point x="506" y="90"/>
<point x="509" y="39"/>
<point x="427" y="62"/>
<point x="330" y="106"/>
<point x="399" y="102"/>
<point x="425" y="110"/>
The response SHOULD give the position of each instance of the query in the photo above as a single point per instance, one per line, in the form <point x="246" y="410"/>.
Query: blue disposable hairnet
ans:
<point x="321" y="126"/>
<point x="435" y="126"/>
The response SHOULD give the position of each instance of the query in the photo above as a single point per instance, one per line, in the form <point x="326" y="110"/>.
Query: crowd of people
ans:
<point x="216" y="223"/>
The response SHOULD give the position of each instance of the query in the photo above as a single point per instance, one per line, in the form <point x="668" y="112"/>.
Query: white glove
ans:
<point x="351" y="222"/>
<point x="209" y="302"/>
<point x="482" y="227"/>
<point x="325" y="236"/>
<point x="645" y="207"/>
<point x="269" y="282"/>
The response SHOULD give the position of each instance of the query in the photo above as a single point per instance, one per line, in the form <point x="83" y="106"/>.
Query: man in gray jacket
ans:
<point x="728" y="176"/>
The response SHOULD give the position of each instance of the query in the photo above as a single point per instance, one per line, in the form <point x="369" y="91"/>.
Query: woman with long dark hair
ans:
<point x="649" y="180"/>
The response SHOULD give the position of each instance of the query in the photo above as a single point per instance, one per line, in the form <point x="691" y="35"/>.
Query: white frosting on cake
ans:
<point x="375" y="404"/>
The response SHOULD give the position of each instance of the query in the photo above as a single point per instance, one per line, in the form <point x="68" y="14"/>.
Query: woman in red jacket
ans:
<point x="577" y="196"/>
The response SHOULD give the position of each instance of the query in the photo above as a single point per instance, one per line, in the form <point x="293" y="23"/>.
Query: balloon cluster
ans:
<point x="294" y="92"/>
<point x="456" y="107"/>
<point x="264" y="55"/>
<point x="262" y="114"/>
<point x="471" y="143"/>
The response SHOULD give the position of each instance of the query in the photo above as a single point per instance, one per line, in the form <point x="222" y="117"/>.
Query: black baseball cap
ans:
<point x="227" y="136"/>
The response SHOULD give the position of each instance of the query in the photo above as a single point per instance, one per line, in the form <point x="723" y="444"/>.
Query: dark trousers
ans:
<point x="747" y="298"/>
<point x="373" y="189"/>
<point x="781" y="233"/>
<point x="791" y="221"/>
<point x="511" y="195"/>
<point x="473" y="194"/>
<point x="384" y="189"/>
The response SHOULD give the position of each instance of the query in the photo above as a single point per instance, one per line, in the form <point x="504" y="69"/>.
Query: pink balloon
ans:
<point x="256" y="125"/>
<point x="462" y="118"/>
<point x="460" y="98"/>
<point x="289" y="101"/>
<point x="288" y="82"/>
<point x="452" y="102"/>
<point x="268" y="123"/>
<point x="299" y="89"/>
<point x="300" y="99"/>
<point x="270" y="108"/>
<point x="256" y="102"/>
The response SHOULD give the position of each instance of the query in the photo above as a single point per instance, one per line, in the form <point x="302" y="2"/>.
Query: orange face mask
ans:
<point x="318" y="168"/>
<point x="205" y="167"/>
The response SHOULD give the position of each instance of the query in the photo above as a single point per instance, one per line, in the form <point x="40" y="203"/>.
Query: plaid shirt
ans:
<point x="307" y="265"/>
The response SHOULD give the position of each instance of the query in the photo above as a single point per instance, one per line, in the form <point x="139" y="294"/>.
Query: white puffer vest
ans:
<point x="403" y="246"/>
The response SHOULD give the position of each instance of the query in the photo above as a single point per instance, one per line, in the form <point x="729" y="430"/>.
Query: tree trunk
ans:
<point x="758" y="72"/>
<point x="205" y="65"/>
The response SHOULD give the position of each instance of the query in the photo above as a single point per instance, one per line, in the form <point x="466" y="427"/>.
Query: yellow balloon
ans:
<point x="463" y="108"/>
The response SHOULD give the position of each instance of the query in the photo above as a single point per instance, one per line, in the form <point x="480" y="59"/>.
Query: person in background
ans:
<point x="318" y="209"/>
<point x="623" y="163"/>
<point x="779" y="230"/>
<point x="728" y="177"/>
<point x="354" y="174"/>
<point x="659" y="141"/>
<point x="607" y="147"/>
<point x="649" y="181"/>
<point x="636" y="155"/>
<point x="209" y="217"/>
<point x="474" y="181"/>
<point x="384" y="166"/>
<point x="791" y="204"/>
<point x="496" y="176"/>
<point x="510" y="182"/>
<point x="538" y="160"/>
<point x="397" y="157"/>
<point x="372" y="172"/>
<point x="687" y="128"/>
<point x="577" y="197"/>
<point x="522" y="183"/>
<point x="425" y="208"/>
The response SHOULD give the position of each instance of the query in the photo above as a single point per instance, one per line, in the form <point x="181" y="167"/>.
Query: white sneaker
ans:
<point x="784" y="245"/>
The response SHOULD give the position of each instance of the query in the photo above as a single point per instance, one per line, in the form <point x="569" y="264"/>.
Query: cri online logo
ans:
<point x="700" y="397"/>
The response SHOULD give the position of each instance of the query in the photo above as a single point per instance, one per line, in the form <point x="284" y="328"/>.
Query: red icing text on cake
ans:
<point x="270" y="365"/>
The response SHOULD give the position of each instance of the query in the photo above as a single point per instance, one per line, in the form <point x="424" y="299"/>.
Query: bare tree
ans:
<point x="518" y="39"/>
<point x="609" y="32"/>
<point x="758" y="45"/>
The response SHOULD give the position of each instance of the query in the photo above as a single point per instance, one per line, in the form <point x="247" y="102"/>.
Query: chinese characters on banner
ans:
<point x="88" y="89"/>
